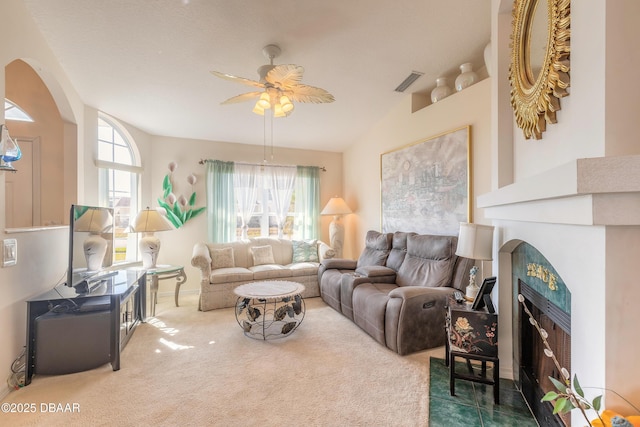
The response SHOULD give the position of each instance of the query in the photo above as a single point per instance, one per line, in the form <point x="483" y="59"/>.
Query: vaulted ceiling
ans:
<point x="148" y="62"/>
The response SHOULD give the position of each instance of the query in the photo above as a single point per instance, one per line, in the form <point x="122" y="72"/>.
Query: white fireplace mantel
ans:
<point x="592" y="191"/>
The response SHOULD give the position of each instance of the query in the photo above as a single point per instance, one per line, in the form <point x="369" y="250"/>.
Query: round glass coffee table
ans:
<point x="269" y="309"/>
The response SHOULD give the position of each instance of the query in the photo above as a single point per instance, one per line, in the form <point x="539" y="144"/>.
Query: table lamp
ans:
<point x="95" y="221"/>
<point x="475" y="241"/>
<point x="147" y="222"/>
<point x="336" y="207"/>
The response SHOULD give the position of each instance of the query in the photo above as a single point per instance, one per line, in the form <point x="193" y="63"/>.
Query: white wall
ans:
<point x="177" y="245"/>
<point x="41" y="255"/>
<point x="400" y="127"/>
<point x="595" y="260"/>
<point x="580" y="131"/>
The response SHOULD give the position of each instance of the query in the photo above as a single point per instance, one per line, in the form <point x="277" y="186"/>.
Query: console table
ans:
<point x="70" y="332"/>
<point x="163" y="272"/>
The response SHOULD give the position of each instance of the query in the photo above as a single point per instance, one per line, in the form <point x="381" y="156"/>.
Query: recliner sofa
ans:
<point x="398" y="288"/>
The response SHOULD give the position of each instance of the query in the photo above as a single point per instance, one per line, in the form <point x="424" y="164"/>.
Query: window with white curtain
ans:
<point x="252" y="200"/>
<point x="119" y="174"/>
<point x="273" y="200"/>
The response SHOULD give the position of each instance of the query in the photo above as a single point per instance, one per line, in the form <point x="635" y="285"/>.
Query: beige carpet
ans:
<point x="186" y="367"/>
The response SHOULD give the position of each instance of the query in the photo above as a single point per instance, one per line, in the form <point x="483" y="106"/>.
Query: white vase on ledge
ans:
<point x="441" y="91"/>
<point x="467" y="76"/>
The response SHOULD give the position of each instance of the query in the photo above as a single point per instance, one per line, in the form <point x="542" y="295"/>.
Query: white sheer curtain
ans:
<point x="281" y="181"/>
<point x="246" y="182"/>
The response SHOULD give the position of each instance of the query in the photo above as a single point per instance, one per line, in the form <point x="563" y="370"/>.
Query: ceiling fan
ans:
<point x="280" y="86"/>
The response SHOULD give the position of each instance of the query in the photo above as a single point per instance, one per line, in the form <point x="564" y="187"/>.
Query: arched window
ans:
<point x="119" y="165"/>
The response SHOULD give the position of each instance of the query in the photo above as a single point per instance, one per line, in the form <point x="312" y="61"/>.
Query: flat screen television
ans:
<point x="90" y="244"/>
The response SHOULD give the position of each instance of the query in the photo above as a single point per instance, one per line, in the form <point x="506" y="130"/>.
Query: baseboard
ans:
<point x="182" y="292"/>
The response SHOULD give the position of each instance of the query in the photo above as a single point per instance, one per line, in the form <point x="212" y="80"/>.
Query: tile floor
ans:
<point x="473" y="404"/>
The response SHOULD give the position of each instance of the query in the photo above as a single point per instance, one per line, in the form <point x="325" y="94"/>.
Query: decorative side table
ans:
<point x="472" y="335"/>
<point x="270" y="309"/>
<point x="163" y="272"/>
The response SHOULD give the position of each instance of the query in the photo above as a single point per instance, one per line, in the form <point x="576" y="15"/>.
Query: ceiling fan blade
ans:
<point x="304" y="93"/>
<point x="240" y="80"/>
<point x="285" y="76"/>
<point x="242" y="98"/>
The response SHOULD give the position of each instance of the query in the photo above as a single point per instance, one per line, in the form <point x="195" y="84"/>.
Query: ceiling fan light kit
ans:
<point x="281" y="86"/>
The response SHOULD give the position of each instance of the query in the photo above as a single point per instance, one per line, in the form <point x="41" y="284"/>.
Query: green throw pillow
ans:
<point x="305" y="251"/>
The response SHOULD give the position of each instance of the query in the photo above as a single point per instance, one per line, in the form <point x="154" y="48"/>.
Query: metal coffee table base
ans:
<point x="270" y="316"/>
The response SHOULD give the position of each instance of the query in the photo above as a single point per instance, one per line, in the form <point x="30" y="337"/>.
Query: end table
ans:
<point x="472" y="335"/>
<point x="162" y="272"/>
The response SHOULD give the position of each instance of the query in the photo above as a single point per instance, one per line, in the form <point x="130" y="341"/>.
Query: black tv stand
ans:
<point x="70" y="331"/>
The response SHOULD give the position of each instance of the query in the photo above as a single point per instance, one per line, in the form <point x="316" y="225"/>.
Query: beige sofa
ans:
<point x="224" y="266"/>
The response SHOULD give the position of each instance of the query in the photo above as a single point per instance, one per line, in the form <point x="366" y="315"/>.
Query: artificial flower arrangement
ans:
<point x="570" y="395"/>
<point x="179" y="209"/>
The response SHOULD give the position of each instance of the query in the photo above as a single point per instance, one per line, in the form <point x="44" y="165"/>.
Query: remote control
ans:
<point x="458" y="296"/>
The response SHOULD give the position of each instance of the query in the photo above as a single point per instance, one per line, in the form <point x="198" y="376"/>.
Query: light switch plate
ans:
<point x="10" y="252"/>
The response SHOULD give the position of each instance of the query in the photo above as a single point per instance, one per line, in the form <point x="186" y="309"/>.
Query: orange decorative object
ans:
<point x="607" y="415"/>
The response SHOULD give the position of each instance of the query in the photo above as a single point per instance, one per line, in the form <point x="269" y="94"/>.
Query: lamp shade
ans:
<point x="94" y="220"/>
<point x="336" y="206"/>
<point x="149" y="221"/>
<point x="475" y="241"/>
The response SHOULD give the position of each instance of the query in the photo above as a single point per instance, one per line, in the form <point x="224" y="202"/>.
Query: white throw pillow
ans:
<point x="222" y="258"/>
<point x="262" y="255"/>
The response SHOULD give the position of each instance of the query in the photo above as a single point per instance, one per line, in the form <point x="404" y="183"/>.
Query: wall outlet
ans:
<point x="10" y="252"/>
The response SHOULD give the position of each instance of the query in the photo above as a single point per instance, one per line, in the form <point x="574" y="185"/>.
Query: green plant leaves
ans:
<point x="562" y="405"/>
<point x="576" y="386"/>
<point x="559" y="385"/>
<point x="597" y="403"/>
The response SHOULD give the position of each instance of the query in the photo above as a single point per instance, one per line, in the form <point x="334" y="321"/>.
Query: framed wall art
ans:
<point x="426" y="186"/>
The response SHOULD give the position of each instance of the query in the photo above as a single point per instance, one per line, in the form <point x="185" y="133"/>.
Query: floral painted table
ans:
<point x="472" y="335"/>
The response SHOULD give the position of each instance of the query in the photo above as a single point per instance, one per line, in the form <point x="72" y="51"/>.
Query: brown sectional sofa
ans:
<point x="398" y="288"/>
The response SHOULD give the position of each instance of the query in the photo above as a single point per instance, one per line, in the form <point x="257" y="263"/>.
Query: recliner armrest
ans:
<point x="416" y="318"/>
<point x="339" y="264"/>
<point x="407" y="292"/>
<point x="376" y="271"/>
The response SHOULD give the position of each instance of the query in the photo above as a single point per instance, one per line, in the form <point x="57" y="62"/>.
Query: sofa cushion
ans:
<point x="222" y="258"/>
<point x="305" y="251"/>
<point x="269" y="271"/>
<point x="262" y="255"/>
<point x="226" y="275"/>
<point x="303" y="268"/>
<point x="282" y="249"/>
<point x="376" y="251"/>
<point x="369" y="308"/>
<point x="429" y="261"/>
<point x="398" y="249"/>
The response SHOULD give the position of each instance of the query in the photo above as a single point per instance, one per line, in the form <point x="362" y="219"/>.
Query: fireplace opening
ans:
<point x="535" y="367"/>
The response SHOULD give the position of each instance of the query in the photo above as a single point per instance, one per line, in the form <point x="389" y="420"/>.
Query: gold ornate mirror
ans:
<point x="539" y="70"/>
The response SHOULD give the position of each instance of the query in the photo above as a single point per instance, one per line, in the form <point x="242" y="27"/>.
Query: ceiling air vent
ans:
<point x="408" y="81"/>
